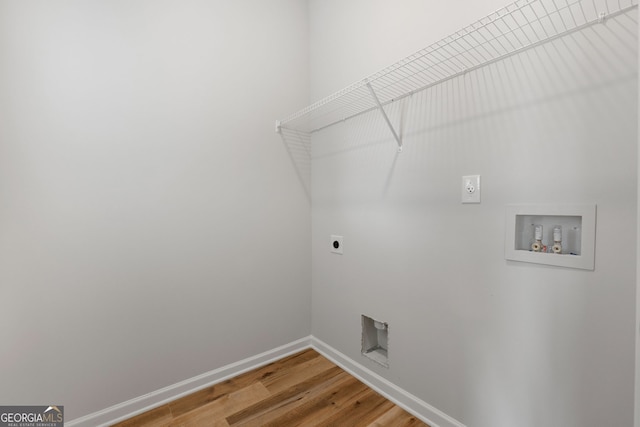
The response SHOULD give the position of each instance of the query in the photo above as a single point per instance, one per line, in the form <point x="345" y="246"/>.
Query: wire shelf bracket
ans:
<point x="516" y="27"/>
<point x="384" y="115"/>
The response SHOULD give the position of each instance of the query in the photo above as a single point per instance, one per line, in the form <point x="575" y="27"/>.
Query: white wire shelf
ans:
<point x="512" y="29"/>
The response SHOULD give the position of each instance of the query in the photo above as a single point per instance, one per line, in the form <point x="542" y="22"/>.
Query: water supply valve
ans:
<point x="537" y="244"/>
<point x="557" y="240"/>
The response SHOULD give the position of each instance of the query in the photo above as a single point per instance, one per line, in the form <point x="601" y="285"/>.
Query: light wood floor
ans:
<point x="304" y="389"/>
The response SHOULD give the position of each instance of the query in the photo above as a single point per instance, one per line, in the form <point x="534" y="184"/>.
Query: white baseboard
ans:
<point x="160" y="397"/>
<point x="402" y="398"/>
<point x="138" y="405"/>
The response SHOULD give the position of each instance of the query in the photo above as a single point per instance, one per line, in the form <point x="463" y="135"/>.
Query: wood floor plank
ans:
<point x="245" y="397"/>
<point x="297" y="374"/>
<point x="202" y="397"/>
<point x="396" y="417"/>
<point x="362" y="409"/>
<point x="208" y="418"/>
<point x="287" y="399"/>
<point x="304" y="389"/>
<point x="158" y="417"/>
<point x="318" y="409"/>
<point x="215" y="413"/>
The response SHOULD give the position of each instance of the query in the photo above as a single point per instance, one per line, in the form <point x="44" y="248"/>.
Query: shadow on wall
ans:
<point x="515" y="96"/>
<point x="512" y="96"/>
<point x="298" y="145"/>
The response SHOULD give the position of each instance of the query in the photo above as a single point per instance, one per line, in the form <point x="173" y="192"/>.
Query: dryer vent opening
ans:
<point x="375" y="336"/>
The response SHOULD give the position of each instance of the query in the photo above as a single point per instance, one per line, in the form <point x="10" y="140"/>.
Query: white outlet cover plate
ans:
<point x="470" y="191"/>
<point x="336" y="240"/>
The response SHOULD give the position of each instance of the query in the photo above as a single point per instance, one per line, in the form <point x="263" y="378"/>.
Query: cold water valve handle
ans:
<point x="537" y="245"/>
<point x="557" y="240"/>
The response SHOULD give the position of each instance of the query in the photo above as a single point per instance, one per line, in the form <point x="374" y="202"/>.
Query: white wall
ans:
<point x="152" y="225"/>
<point x="637" y="385"/>
<point x="489" y="342"/>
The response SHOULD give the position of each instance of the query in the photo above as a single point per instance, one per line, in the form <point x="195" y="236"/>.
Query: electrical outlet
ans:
<point x="336" y="244"/>
<point x="471" y="189"/>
